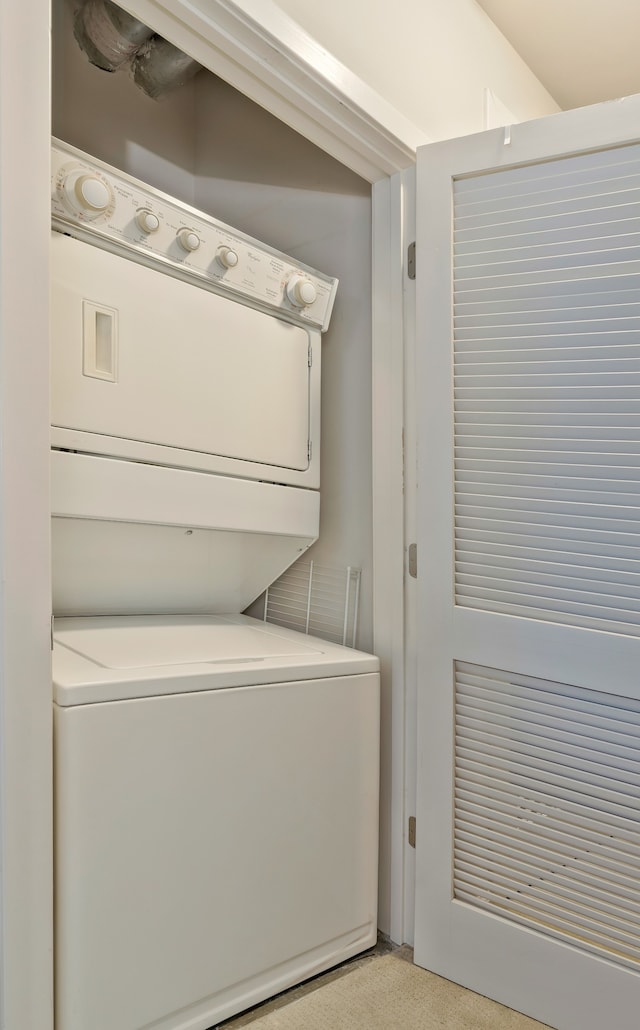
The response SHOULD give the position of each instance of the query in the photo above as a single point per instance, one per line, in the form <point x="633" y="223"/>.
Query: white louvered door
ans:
<point x="528" y="816"/>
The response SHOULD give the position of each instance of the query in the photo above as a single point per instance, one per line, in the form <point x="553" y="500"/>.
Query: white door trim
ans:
<point x="266" y="55"/>
<point x="411" y="399"/>
<point x="26" y="895"/>
<point x="388" y="539"/>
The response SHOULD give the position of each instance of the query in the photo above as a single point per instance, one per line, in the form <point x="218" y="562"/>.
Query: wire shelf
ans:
<point x="316" y="599"/>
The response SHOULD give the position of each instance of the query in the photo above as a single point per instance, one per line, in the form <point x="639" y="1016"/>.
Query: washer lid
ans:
<point x="114" y="658"/>
<point x="148" y="642"/>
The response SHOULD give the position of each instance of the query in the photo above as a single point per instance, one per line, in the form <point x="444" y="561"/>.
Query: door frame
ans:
<point x="265" y="54"/>
<point x="26" y="892"/>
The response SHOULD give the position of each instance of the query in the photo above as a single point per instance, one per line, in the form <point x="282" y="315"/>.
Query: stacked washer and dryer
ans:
<point x="216" y="778"/>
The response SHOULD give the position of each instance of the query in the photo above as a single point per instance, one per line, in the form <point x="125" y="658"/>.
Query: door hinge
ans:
<point x="413" y="561"/>
<point x="51" y="631"/>
<point x="412" y="831"/>
<point x="309" y="450"/>
<point x="310" y="356"/>
<point x="411" y="260"/>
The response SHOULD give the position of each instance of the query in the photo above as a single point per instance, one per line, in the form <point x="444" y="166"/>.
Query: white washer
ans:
<point x="216" y="779"/>
<point x="216" y="816"/>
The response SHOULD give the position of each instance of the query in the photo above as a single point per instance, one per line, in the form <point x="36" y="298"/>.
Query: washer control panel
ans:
<point x="106" y="207"/>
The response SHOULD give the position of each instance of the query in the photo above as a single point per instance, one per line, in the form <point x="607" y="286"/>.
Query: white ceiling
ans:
<point x="583" y="51"/>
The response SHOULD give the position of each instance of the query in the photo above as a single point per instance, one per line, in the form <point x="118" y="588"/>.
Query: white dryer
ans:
<point x="185" y="399"/>
<point x="216" y="778"/>
<point x="216" y="816"/>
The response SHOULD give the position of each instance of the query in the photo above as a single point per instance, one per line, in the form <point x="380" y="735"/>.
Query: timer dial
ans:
<point x="147" y="220"/>
<point x="227" y="257"/>
<point x="188" y="240"/>
<point x="301" y="291"/>
<point x="87" y="193"/>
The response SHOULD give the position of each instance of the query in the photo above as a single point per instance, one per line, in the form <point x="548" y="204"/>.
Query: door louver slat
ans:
<point x="559" y="890"/>
<point x="547" y="390"/>
<point x="550" y="837"/>
<point x="577" y="877"/>
<point x="547" y="808"/>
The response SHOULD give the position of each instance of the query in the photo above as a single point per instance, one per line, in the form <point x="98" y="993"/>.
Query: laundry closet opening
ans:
<point x="211" y="147"/>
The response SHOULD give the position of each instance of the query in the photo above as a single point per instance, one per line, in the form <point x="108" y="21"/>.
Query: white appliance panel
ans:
<point x="123" y="568"/>
<point x="131" y="218"/>
<point x="212" y="849"/>
<point x="193" y="371"/>
<point x="92" y="487"/>
<point x="130" y="538"/>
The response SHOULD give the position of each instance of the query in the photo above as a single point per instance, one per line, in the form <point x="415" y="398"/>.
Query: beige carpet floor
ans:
<point x="389" y="993"/>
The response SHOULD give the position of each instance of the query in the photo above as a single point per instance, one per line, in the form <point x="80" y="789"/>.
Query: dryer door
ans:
<point x="148" y="367"/>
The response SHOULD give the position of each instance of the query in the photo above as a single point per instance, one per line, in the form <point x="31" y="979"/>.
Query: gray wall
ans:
<point x="210" y="146"/>
<point x="258" y="175"/>
<point x="107" y="116"/>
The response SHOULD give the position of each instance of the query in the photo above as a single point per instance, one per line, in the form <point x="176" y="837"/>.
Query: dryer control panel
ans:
<point x="101" y="205"/>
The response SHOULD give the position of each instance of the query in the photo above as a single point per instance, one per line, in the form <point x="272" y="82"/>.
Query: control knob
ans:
<point x="188" y="240"/>
<point x="147" y="220"/>
<point x="227" y="257"/>
<point x="301" y="291"/>
<point x="87" y="193"/>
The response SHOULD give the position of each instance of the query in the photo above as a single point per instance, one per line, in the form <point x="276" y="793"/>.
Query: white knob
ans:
<point x="188" y="240"/>
<point x="87" y="192"/>
<point x="300" y="291"/>
<point x="147" y="221"/>
<point x="227" y="257"/>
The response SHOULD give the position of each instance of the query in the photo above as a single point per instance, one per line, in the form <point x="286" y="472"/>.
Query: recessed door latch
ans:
<point x="413" y="561"/>
<point x="411" y="260"/>
<point x="411" y="836"/>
